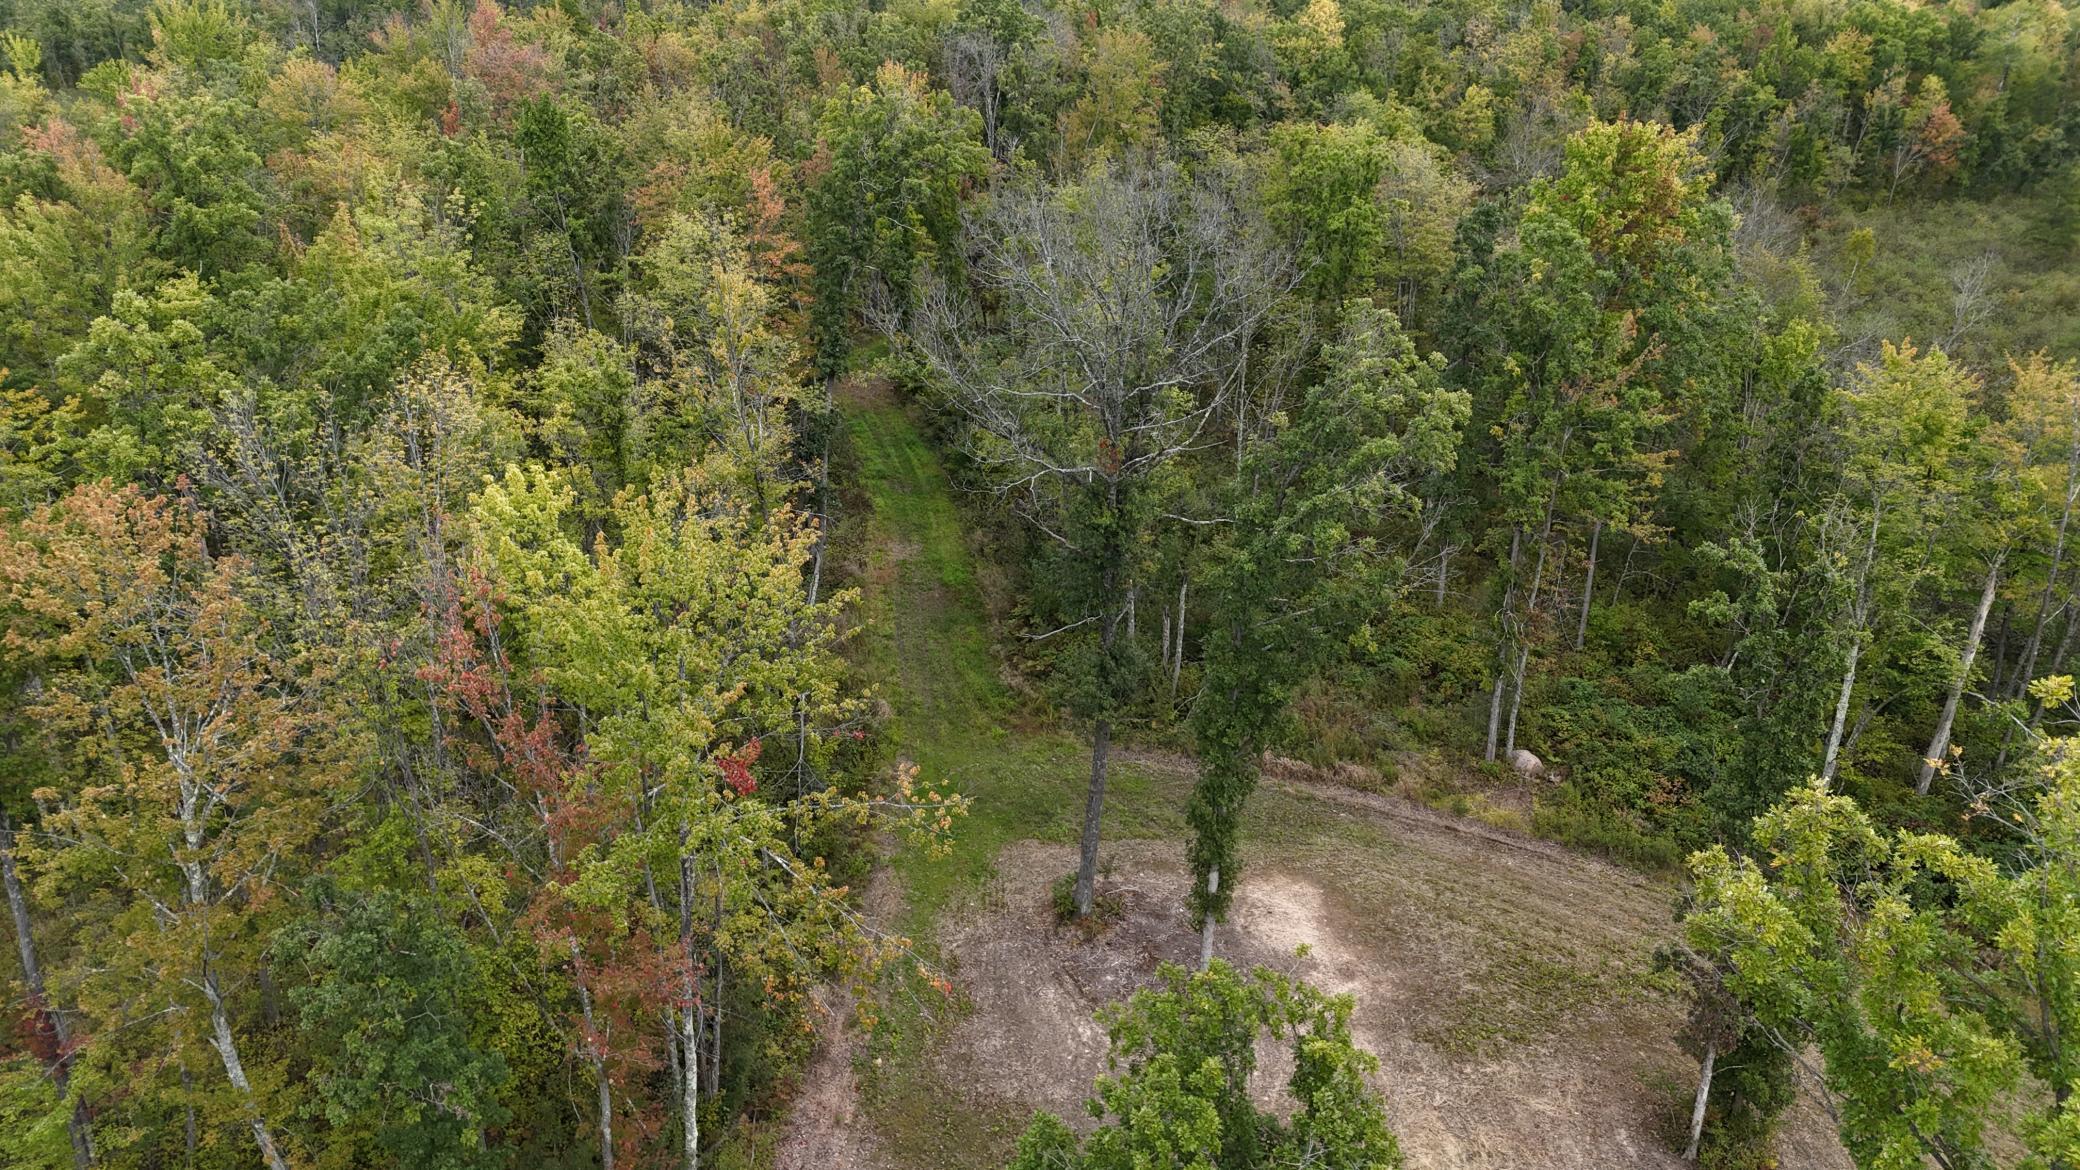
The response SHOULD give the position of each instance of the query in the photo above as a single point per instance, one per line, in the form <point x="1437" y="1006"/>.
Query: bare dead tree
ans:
<point x="1104" y="338"/>
<point x="1971" y="296"/>
<point x="974" y="61"/>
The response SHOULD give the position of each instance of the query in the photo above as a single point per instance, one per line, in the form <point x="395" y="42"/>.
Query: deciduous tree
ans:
<point x="1118" y="315"/>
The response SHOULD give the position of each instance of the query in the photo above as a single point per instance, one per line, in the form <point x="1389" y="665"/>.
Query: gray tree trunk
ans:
<point x="199" y="898"/>
<point x="598" y="1060"/>
<point x="1516" y="690"/>
<point x="714" y="950"/>
<point x="1859" y="616"/>
<point x="1704" y="1095"/>
<point x="1581" y="629"/>
<point x="1213" y="886"/>
<point x="1841" y="714"/>
<point x="1516" y="538"/>
<point x="689" y="1037"/>
<point x="1940" y="742"/>
<point x="1495" y="708"/>
<point x="1093" y="809"/>
<point x="690" y="1013"/>
<point x="60" y="1067"/>
<point x="1997" y="685"/>
<point x="235" y="1070"/>
<point x="2023" y="677"/>
<point x="1177" y="657"/>
<point x="1163" y="658"/>
<point x="2064" y="652"/>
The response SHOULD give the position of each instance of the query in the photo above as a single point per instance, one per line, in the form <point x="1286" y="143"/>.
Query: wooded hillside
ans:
<point x="447" y="584"/>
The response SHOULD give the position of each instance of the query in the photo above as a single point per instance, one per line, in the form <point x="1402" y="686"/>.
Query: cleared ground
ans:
<point x="1505" y="983"/>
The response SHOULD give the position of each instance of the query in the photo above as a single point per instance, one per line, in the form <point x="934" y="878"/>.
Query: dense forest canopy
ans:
<point x="432" y="734"/>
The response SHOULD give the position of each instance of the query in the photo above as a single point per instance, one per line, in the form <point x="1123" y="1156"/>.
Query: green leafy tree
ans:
<point x="1309" y="553"/>
<point x="1177" y="1095"/>
<point x="1902" y="436"/>
<point x="387" y="1012"/>
<point x="730" y="379"/>
<point x="193" y="155"/>
<point x="896" y="157"/>
<point x="1607" y="328"/>
<point x="1326" y="194"/>
<point x="158" y="679"/>
<point x="1928" y="977"/>
<point x="680" y="650"/>
<point x="575" y="213"/>
<point x="1120" y="107"/>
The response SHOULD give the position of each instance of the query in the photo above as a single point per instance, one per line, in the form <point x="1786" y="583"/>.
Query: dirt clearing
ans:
<point x="1504" y="991"/>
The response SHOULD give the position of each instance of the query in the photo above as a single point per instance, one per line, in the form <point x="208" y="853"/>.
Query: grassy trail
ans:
<point x="928" y="648"/>
<point x="931" y="646"/>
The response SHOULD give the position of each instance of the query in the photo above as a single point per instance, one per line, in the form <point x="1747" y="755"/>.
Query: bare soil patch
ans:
<point x="1501" y="988"/>
<point x="826" y="1129"/>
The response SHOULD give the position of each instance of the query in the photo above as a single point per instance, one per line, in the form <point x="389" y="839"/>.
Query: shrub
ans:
<point x="1587" y="826"/>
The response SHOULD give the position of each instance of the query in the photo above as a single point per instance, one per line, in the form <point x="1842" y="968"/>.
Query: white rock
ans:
<point x="1528" y="766"/>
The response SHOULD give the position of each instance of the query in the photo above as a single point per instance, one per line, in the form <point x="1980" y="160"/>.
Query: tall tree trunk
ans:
<point x="1101" y="726"/>
<point x="1495" y="707"/>
<point x="595" y="1055"/>
<point x="1177" y="657"/>
<point x="2036" y="709"/>
<point x="1093" y="809"/>
<point x="221" y="1036"/>
<point x="1502" y="655"/>
<point x="1704" y="1096"/>
<point x="690" y="1012"/>
<point x="606" y="1111"/>
<point x="715" y="957"/>
<point x="1163" y="658"/>
<point x="191" y="1133"/>
<point x="1581" y="629"/>
<point x="1997" y="685"/>
<point x="1940" y="742"/>
<point x="1538" y="576"/>
<point x="802" y="776"/>
<point x="689" y="1038"/>
<point x="1624" y="571"/>
<point x="59" y="1067"/>
<point x="2024" y="676"/>
<point x="2064" y="652"/>
<point x="1213" y="886"/>
<point x="235" y="1070"/>
<point x="1859" y="616"/>
<point x="1841" y="713"/>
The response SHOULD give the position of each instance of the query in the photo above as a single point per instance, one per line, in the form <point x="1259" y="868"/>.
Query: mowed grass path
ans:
<point x="927" y="646"/>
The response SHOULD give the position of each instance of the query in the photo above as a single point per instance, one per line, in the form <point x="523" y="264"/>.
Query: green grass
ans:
<point x="1906" y="289"/>
<point x="1520" y="998"/>
<point x="926" y="636"/>
<point x="928" y="645"/>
